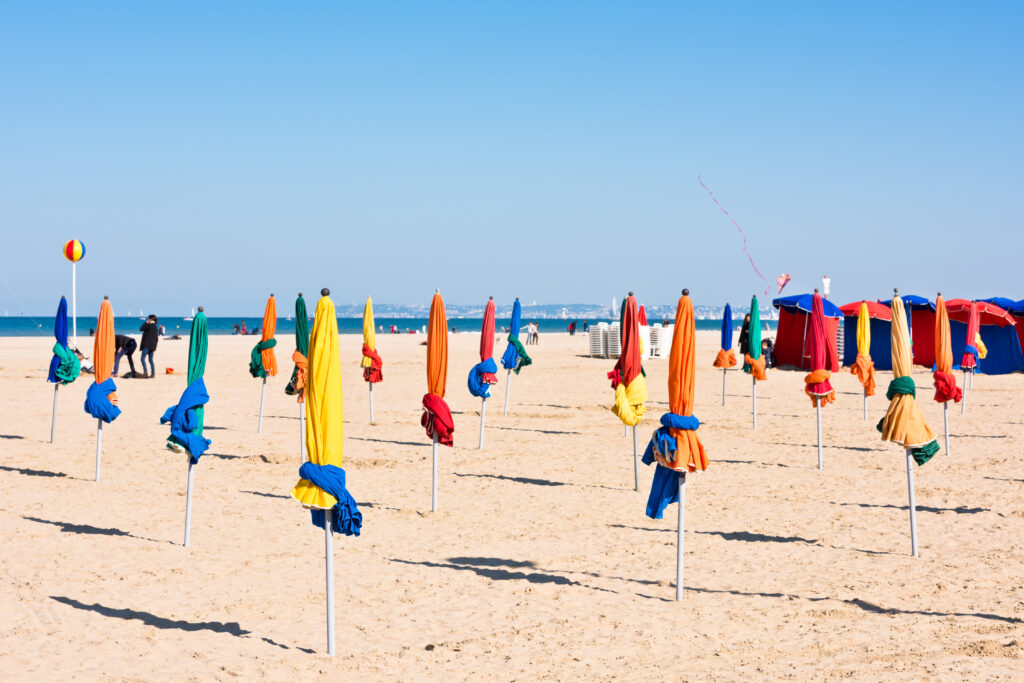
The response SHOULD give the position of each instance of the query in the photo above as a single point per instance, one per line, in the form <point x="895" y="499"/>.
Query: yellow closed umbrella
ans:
<point x="321" y="486"/>
<point x="903" y="422"/>
<point x="946" y="389"/>
<point x="371" y="362"/>
<point x="864" y="368"/>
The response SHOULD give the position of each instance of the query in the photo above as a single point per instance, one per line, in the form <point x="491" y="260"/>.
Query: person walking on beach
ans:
<point x="745" y="336"/>
<point x="124" y="346"/>
<point x="150" y="335"/>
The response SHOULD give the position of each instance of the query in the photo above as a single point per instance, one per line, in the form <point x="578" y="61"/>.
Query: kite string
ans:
<point x="738" y="228"/>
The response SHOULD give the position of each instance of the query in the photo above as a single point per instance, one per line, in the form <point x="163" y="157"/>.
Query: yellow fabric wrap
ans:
<point x="864" y="330"/>
<point x="725" y="359"/>
<point x="323" y="404"/>
<point x="369" y="333"/>
<point x="903" y="423"/>
<point x="864" y="370"/>
<point x="980" y="345"/>
<point x="629" y="401"/>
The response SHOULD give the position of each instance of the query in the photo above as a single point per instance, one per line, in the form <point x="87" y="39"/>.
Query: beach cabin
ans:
<point x="921" y="322"/>
<point x="881" y="345"/>
<point x="998" y="333"/>
<point x="791" y="335"/>
<point x="1015" y="309"/>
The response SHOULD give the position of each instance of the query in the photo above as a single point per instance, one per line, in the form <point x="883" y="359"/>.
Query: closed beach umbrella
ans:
<point x="674" y="446"/>
<point x="321" y="486"/>
<point x="903" y="423"/>
<point x="753" y="361"/>
<point x="946" y="389"/>
<point x="515" y="357"/>
<point x="100" y="397"/>
<point x="64" y="366"/>
<point x="972" y="349"/>
<point x="628" y="379"/>
<point x="437" y="416"/>
<point x="262" y="361"/>
<point x="726" y="357"/>
<point x="864" y="368"/>
<point x="481" y="376"/>
<point x="818" y="382"/>
<point x="186" y="418"/>
<point x="641" y="316"/>
<point x="371" y="363"/>
<point x="297" y="384"/>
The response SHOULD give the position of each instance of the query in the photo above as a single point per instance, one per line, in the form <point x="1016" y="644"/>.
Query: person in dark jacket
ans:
<point x="124" y="346"/>
<point x="150" y="335"/>
<point x="745" y="336"/>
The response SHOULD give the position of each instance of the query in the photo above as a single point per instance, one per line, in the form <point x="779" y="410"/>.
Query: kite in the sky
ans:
<point x="782" y="281"/>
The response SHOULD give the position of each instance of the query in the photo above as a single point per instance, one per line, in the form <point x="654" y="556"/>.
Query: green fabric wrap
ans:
<point x="524" y="359"/>
<point x="256" y="360"/>
<point x="901" y="385"/>
<point x="70" y="368"/>
<point x="924" y="453"/>
<point x="754" y="331"/>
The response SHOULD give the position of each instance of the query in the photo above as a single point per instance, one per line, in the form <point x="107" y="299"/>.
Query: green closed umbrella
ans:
<point x="753" y="364"/>
<point x="297" y="384"/>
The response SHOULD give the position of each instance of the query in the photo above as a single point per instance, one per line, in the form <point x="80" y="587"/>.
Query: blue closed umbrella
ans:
<point x="727" y="328"/>
<point x="64" y="366"/>
<point x="515" y="356"/>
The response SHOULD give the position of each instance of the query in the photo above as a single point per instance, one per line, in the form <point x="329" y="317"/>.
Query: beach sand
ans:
<point x="540" y="563"/>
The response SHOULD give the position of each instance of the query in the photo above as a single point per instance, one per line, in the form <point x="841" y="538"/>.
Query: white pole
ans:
<point x="371" y="402"/>
<point x="483" y="409"/>
<point x="53" y="420"/>
<point x="433" y="487"/>
<point x="329" y="571"/>
<point x="302" y="432"/>
<point x="679" y="535"/>
<point x="753" y="410"/>
<point x="508" y="382"/>
<point x="913" y="505"/>
<point x="74" y="304"/>
<point x="817" y="406"/>
<point x="636" y="463"/>
<point x="972" y="379"/>
<point x="188" y="501"/>
<point x="963" y="401"/>
<point x="99" y="446"/>
<point x="723" y="386"/>
<point x="263" y="392"/>
<point x="945" y="421"/>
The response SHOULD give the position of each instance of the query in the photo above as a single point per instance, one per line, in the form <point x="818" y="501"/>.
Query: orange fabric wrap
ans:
<point x="682" y="370"/>
<point x="725" y="359"/>
<point x="817" y="377"/>
<point x="864" y="370"/>
<point x="756" y="367"/>
<point x="301" y="364"/>
<point x="103" y="347"/>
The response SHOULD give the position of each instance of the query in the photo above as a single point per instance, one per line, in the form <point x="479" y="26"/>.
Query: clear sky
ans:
<point x="215" y="152"/>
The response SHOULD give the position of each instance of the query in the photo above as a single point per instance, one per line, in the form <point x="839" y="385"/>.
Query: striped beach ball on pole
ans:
<point x="74" y="251"/>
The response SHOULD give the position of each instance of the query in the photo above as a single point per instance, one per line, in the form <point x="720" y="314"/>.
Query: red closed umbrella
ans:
<point x="818" y="384"/>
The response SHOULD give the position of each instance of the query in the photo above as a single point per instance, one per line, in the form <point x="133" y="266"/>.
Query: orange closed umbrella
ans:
<point x="262" y="361"/>
<point x="675" y="446"/>
<point x="100" y="398"/>
<point x="437" y="416"/>
<point x="946" y="389"/>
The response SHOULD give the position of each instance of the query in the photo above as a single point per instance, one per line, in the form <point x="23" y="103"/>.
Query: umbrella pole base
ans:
<point x="53" y="420"/>
<point x="636" y="463"/>
<point x="483" y="412"/>
<point x="753" y="409"/>
<point x="680" y="534"/>
<point x="188" y="502"/>
<point x="723" y="386"/>
<point x="913" y="504"/>
<point x="263" y="394"/>
<point x="945" y="422"/>
<point x="99" y="446"/>
<point x="817" y="406"/>
<point x="329" y="572"/>
<point x="371" y="403"/>
<point x="433" y="486"/>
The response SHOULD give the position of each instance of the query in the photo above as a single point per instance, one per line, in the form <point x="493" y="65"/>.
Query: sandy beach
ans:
<point x="540" y="563"/>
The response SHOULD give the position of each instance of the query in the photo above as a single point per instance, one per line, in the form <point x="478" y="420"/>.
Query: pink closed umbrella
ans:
<point x="482" y="375"/>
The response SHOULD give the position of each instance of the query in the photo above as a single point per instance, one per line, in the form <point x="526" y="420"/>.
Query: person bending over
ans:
<point x="124" y="346"/>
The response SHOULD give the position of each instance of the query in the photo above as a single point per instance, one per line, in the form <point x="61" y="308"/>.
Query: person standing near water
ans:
<point x="150" y="335"/>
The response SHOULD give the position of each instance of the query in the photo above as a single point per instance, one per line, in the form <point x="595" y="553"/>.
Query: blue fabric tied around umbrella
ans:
<point x="98" y="405"/>
<point x="347" y="518"/>
<point x="973" y="350"/>
<point x="477" y="386"/>
<point x="665" y="487"/>
<point x="184" y="420"/>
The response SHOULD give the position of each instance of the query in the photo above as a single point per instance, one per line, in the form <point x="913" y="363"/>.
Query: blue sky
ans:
<point x="215" y="152"/>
